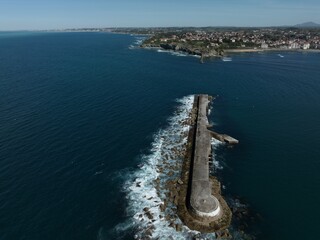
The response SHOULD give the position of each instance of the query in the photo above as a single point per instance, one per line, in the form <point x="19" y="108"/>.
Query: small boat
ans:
<point x="280" y="55"/>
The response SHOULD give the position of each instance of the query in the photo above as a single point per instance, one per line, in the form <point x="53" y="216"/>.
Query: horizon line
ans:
<point x="230" y="26"/>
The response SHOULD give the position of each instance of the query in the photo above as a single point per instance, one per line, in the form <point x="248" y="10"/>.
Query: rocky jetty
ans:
<point x="196" y="220"/>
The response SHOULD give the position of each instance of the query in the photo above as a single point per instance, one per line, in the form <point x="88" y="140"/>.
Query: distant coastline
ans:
<point x="221" y="54"/>
<point x="211" y="42"/>
<point x="217" y="43"/>
<point x="248" y="50"/>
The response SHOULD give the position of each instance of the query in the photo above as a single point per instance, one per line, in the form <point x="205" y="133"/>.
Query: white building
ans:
<point x="306" y="46"/>
<point x="294" y="46"/>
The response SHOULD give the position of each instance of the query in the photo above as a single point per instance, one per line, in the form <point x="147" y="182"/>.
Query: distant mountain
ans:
<point x="308" y="25"/>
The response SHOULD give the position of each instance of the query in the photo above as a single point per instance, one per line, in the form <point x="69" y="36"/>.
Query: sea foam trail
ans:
<point x="215" y="163"/>
<point x="177" y="53"/>
<point x="146" y="190"/>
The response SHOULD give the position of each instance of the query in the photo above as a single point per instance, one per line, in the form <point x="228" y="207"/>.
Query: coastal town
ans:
<point x="215" y="42"/>
<point x="224" y="38"/>
<point x="263" y="38"/>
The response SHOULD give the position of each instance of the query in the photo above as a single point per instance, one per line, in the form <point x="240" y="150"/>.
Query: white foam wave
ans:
<point x="146" y="189"/>
<point x="138" y="40"/>
<point x="163" y="51"/>
<point x="209" y="110"/>
<point x="215" y="163"/>
<point x="179" y="54"/>
<point x="227" y="59"/>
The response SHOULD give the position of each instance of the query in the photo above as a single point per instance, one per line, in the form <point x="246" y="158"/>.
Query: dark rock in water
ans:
<point x="146" y="209"/>
<point x="224" y="234"/>
<point x="170" y="174"/>
<point x="176" y="200"/>
<point x="173" y="193"/>
<point x="172" y="225"/>
<point x="162" y="207"/>
<point x="178" y="227"/>
<point x="148" y="233"/>
<point x="245" y="220"/>
<point x="157" y="181"/>
<point x="149" y="215"/>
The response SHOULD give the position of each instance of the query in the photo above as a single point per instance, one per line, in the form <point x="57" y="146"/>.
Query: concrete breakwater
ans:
<point x="201" y="206"/>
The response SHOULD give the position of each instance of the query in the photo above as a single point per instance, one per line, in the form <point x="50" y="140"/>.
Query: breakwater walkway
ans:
<point x="202" y="202"/>
<point x="201" y="206"/>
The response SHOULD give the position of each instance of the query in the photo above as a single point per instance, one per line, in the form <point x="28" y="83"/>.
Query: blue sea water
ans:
<point x="83" y="115"/>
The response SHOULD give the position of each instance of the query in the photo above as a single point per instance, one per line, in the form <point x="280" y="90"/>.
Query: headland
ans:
<point x="218" y="42"/>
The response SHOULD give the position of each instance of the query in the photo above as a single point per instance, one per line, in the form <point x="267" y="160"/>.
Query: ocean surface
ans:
<point x="85" y="119"/>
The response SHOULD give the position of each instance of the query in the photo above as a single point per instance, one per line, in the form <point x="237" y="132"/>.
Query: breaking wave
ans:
<point x="150" y="211"/>
<point x="177" y="53"/>
<point x="138" y="40"/>
<point x="215" y="163"/>
<point x="150" y="214"/>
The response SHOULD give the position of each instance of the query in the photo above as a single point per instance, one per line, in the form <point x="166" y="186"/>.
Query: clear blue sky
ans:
<point x="57" y="14"/>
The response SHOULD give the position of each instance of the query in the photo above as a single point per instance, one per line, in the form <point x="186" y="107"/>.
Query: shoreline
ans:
<point x="229" y="52"/>
<point x="226" y="53"/>
<point x="249" y="50"/>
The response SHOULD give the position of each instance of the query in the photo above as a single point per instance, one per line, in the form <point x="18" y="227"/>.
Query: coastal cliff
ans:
<point x="187" y="48"/>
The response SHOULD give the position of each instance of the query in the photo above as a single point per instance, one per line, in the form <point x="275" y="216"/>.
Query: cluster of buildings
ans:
<point x="249" y="38"/>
